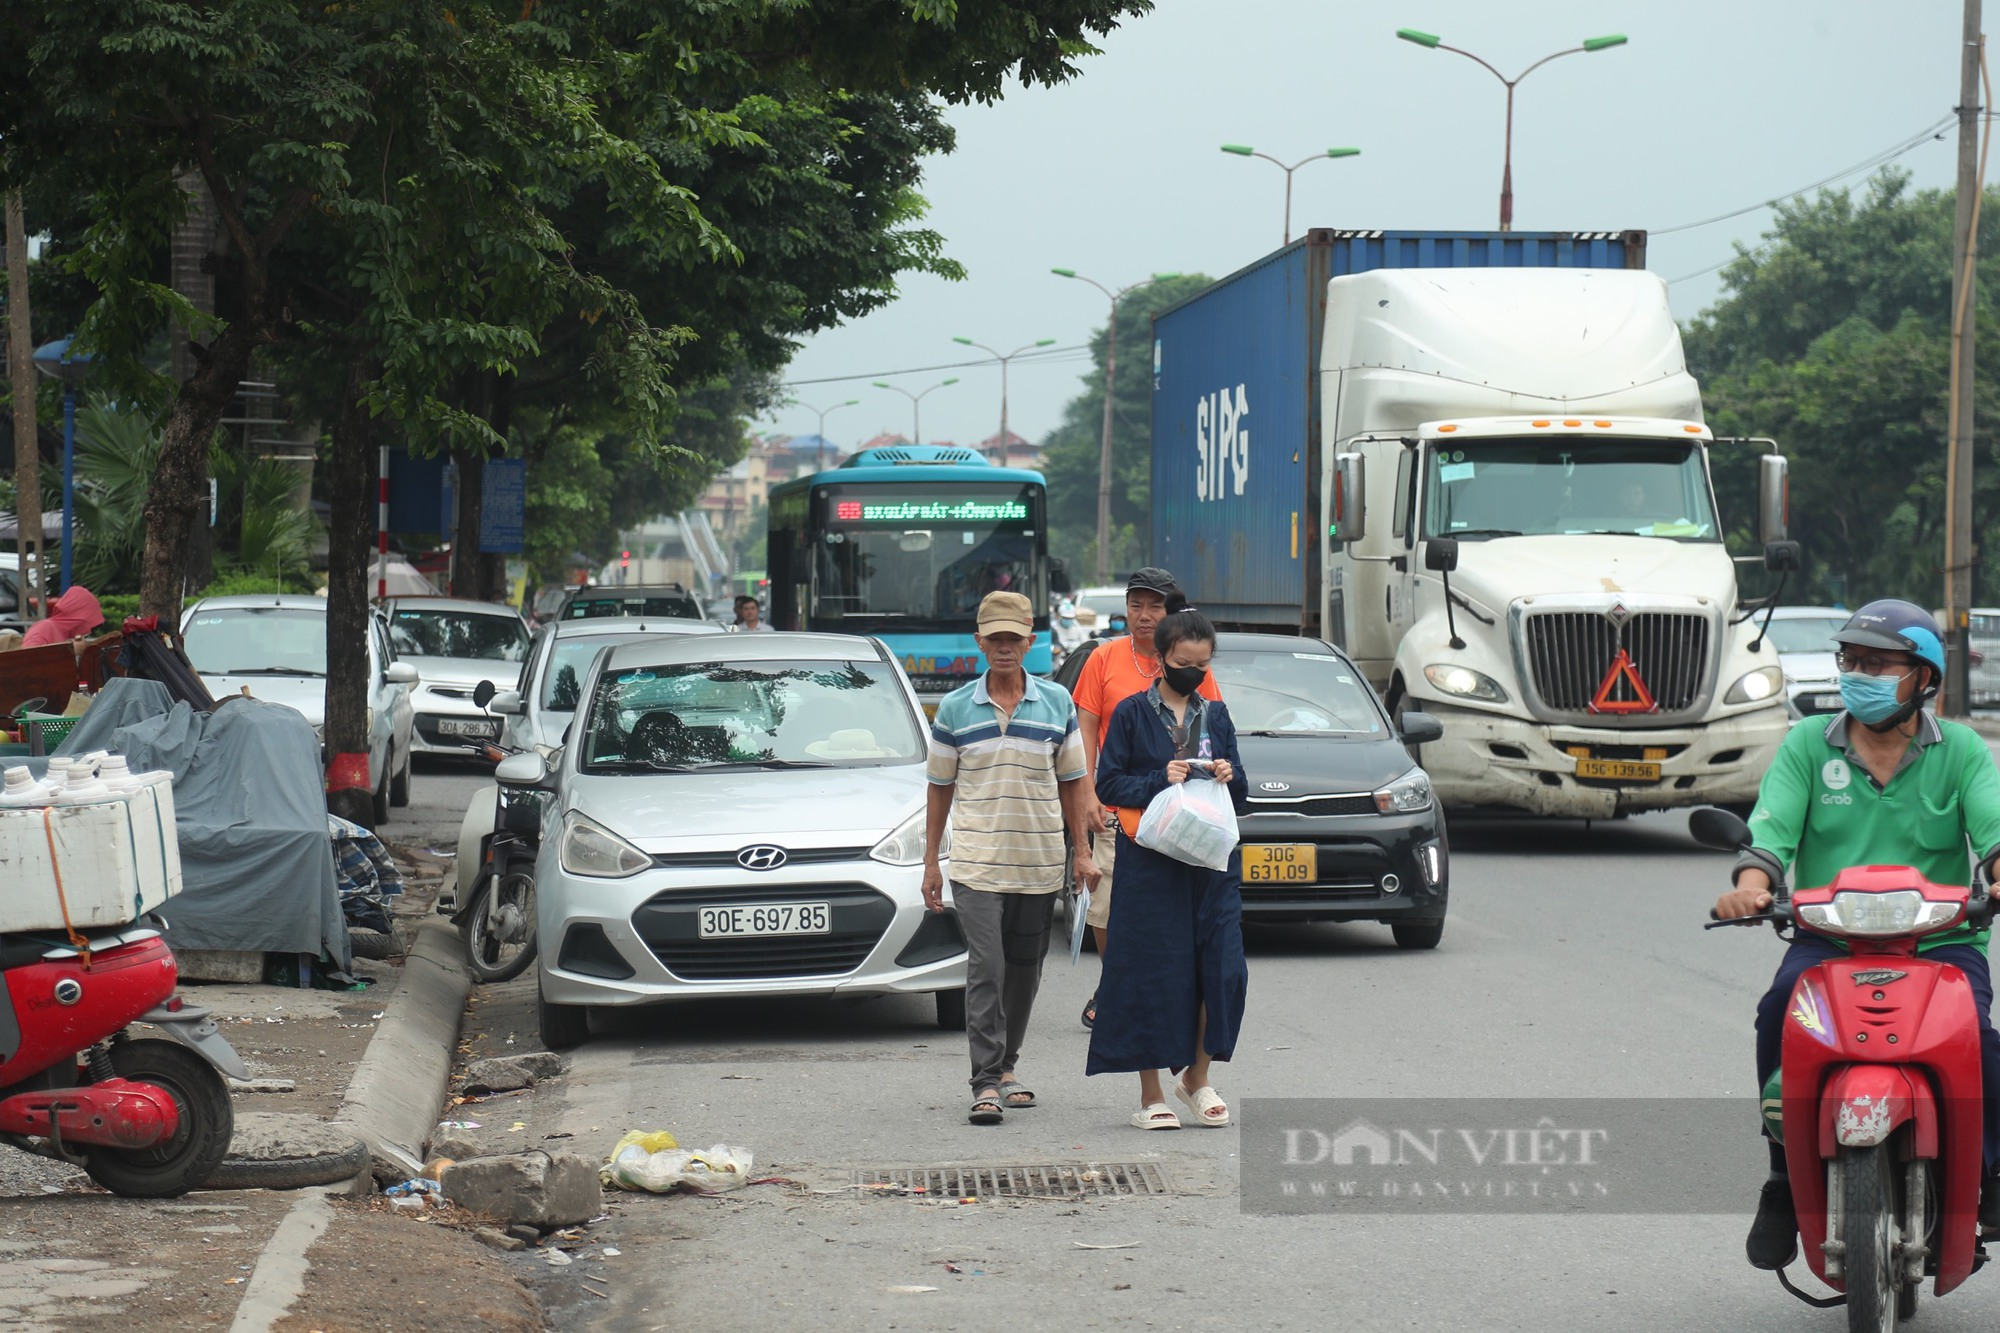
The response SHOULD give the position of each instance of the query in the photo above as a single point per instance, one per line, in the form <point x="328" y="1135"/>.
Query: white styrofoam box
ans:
<point x="119" y="859"/>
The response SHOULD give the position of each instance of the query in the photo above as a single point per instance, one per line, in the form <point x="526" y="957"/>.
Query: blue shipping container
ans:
<point x="1236" y="407"/>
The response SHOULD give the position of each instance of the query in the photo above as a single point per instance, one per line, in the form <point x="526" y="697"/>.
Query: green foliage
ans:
<point x="1833" y="339"/>
<point x="237" y="582"/>
<point x="275" y="535"/>
<point x="569" y="503"/>
<point x="1073" y="449"/>
<point x="117" y="606"/>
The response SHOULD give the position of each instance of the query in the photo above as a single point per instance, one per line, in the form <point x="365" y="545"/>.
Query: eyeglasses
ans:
<point x="1872" y="666"/>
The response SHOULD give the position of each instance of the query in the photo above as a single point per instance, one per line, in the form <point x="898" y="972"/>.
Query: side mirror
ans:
<point x="483" y="692"/>
<point x="400" y="673"/>
<point x="1719" y="829"/>
<point x="1441" y="554"/>
<point x="507" y="702"/>
<point x="1774" y="499"/>
<point x="1350" y="504"/>
<point x="1782" y="557"/>
<point x="521" y="770"/>
<point x="1059" y="582"/>
<point x="1420" y="728"/>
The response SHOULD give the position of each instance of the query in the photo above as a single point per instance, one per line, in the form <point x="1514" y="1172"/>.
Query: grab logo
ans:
<point x="1222" y="443"/>
<point x="1835" y="775"/>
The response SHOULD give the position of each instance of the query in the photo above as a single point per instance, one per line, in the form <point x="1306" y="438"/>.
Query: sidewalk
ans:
<point x="75" y="1257"/>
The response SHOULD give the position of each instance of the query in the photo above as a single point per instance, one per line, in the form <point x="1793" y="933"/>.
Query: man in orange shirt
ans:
<point x="1115" y="671"/>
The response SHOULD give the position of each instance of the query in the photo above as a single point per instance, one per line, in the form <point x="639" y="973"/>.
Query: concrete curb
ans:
<point x="391" y="1105"/>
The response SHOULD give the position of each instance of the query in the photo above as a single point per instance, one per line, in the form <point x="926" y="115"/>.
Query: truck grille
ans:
<point x="1570" y="652"/>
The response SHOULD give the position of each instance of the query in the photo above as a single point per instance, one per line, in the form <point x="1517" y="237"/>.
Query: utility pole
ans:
<point x="1960" y="552"/>
<point x="27" y="446"/>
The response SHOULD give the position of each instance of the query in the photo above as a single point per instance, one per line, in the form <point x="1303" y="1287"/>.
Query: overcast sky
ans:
<point x="1712" y="106"/>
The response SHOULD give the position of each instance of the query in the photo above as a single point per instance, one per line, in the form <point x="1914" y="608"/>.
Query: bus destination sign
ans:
<point x="929" y="511"/>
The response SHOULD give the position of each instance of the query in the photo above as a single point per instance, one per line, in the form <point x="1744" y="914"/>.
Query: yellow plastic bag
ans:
<point x="656" y="1163"/>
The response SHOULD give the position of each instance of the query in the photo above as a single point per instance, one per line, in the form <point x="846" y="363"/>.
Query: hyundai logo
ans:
<point x="763" y="857"/>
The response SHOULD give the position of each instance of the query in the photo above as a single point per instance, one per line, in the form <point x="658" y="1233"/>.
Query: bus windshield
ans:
<point x="1537" y="487"/>
<point x="902" y="558"/>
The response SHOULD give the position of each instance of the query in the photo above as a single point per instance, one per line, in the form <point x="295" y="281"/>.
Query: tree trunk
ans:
<point x="350" y="542"/>
<point x="468" y="494"/>
<point x="27" y="440"/>
<point x="180" y="486"/>
<point x="192" y="243"/>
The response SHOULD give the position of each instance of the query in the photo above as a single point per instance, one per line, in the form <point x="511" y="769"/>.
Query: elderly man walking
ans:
<point x="1007" y="767"/>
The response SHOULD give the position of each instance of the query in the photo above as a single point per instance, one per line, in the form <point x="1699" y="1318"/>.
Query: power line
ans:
<point x="1051" y="356"/>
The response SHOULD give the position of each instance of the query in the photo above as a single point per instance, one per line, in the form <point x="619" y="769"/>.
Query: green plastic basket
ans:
<point x="52" y="726"/>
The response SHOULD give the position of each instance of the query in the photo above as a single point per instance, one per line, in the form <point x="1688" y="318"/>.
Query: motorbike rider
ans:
<point x="1884" y="782"/>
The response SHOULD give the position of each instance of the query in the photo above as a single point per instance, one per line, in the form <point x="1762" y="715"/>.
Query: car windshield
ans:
<point x="1535" y="487"/>
<point x="257" y="640"/>
<point x="562" y="677"/>
<point x="1805" y="634"/>
<point x="901" y="560"/>
<point x="752" y="714"/>
<point x="1302" y="693"/>
<point x="425" y="632"/>
<point x="594" y="606"/>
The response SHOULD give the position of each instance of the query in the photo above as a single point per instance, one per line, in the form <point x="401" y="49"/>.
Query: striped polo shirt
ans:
<point x="1006" y="815"/>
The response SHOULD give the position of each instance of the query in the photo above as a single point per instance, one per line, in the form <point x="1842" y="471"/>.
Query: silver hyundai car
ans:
<point x="738" y="815"/>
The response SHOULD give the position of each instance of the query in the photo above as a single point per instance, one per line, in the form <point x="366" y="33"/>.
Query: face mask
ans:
<point x="1870" y="699"/>
<point x="1184" y="680"/>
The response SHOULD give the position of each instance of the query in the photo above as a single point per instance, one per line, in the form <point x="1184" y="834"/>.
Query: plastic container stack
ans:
<point x="91" y="843"/>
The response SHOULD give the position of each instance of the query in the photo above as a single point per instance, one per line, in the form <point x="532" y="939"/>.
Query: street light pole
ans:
<point x="1244" y="150"/>
<point x="1110" y="382"/>
<point x="54" y="360"/>
<point x="1003" y="358"/>
<point x="1589" y="45"/>
<point x="916" y="403"/>
<point x="820" y="465"/>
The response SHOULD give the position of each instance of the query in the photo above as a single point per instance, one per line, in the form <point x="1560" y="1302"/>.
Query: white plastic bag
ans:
<point x="709" y="1171"/>
<point x="1191" y="821"/>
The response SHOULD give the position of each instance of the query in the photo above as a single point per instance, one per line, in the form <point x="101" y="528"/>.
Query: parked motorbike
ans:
<point x="1878" y="1096"/>
<point x="496" y="917"/>
<point x="144" y="1116"/>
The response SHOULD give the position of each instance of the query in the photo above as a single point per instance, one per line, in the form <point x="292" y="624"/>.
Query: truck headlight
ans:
<point x="1406" y="795"/>
<point x="1763" y="683"/>
<point x="905" y="846"/>
<point x="590" y="849"/>
<point x="1465" y="682"/>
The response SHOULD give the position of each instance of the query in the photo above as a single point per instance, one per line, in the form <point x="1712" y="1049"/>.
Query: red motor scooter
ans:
<point x="1878" y="1100"/>
<point x="145" y="1116"/>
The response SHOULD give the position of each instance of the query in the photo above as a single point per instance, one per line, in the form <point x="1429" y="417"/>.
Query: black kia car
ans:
<point x="1342" y="825"/>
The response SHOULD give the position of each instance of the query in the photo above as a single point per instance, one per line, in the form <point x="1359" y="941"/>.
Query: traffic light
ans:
<point x="624" y="560"/>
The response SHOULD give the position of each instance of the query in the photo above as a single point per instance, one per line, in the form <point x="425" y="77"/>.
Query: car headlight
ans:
<point x="1406" y="795"/>
<point x="588" y="848"/>
<point x="1877" y="915"/>
<point x="1465" y="682"/>
<point x="1763" y="683"/>
<point x="905" y="846"/>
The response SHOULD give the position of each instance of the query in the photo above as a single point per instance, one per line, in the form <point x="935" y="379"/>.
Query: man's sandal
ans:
<point x="986" y="1109"/>
<point x="1208" y="1107"/>
<point x="1010" y="1088"/>
<point x="1157" y="1116"/>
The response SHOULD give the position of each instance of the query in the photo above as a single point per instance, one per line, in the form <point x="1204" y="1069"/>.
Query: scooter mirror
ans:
<point x="1719" y="829"/>
<point x="483" y="692"/>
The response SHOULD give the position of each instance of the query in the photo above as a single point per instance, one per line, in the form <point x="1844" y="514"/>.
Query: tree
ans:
<point x="1072" y="451"/>
<point x="1832" y="339"/>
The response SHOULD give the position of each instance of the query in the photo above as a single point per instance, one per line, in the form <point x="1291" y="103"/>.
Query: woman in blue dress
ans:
<point x="1172" y="990"/>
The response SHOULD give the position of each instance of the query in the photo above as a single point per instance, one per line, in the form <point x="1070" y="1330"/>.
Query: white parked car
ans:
<point x="739" y="815"/>
<point x="454" y="643"/>
<point x="275" y="643"/>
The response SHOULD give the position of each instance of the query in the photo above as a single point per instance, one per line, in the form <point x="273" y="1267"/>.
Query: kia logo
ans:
<point x="761" y="858"/>
<point x="1277" y="786"/>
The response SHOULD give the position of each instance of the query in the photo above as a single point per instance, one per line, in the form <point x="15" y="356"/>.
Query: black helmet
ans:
<point x="1898" y="627"/>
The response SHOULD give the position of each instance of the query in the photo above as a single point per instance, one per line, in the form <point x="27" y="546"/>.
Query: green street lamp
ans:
<point x="1589" y="44"/>
<point x="1003" y="359"/>
<point x="820" y="435"/>
<point x="916" y="403"/>
<point x="1110" y="380"/>
<point x="1245" y="150"/>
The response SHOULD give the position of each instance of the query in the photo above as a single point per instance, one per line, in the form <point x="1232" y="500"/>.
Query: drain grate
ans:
<point x="1067" y="1180"/>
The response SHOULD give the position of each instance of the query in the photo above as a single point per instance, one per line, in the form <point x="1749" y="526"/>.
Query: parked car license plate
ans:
<point x="1827" y="703"/>
<point x="1280" y="863"/>
<point x="467" y="726"/>
<point x="769" y="919"/>
<point x="1619" y="770"/>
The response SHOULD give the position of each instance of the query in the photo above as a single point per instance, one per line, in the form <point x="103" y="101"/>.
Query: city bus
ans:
<point x="902" y="543"/>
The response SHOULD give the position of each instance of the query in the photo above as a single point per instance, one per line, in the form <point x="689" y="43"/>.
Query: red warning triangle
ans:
<point x="1636" y="698"/>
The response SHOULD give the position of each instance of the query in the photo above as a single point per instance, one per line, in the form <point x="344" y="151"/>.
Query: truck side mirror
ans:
<point x="1350" y="505"/>
<point x="1781" y="557"/>
<point x="1441" y="554"/>
<point x="1059" y="578"/>
<point x="1774" y="499"/>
